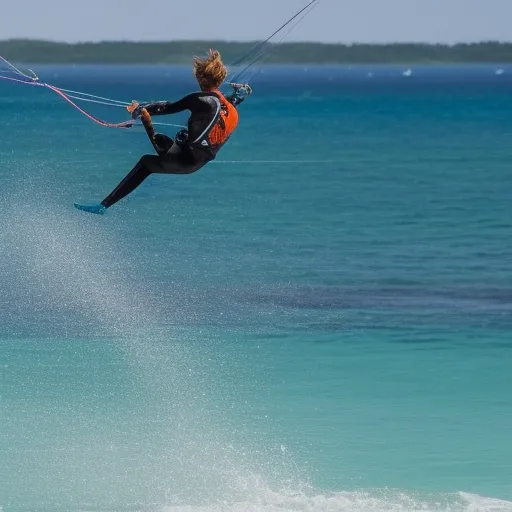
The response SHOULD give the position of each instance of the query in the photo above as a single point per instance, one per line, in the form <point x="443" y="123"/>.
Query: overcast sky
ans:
<point x="346" y="21"/>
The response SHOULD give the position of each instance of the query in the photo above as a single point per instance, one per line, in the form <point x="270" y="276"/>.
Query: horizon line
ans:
<point x="236" y="41"/>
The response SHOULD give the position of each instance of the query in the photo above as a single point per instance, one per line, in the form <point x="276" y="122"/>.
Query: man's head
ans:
<point x="210" y="72"/>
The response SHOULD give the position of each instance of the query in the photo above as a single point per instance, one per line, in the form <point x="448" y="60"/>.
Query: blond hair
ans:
<point x="211" y="71"/>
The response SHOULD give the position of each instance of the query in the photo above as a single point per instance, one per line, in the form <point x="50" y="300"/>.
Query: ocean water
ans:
<point x="320" y="320"/>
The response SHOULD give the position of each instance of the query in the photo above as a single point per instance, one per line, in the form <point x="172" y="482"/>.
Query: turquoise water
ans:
<point x="318" y="321"/>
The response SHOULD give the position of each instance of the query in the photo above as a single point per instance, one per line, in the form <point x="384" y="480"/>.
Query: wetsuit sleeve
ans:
<point x="162" y="108"/>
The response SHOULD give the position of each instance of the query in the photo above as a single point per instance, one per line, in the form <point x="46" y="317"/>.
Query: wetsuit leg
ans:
<point x="175" y="161"/>
<point x="162" y="143"/>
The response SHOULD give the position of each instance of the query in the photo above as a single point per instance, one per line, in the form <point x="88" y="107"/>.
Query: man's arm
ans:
<point x="162" y="108"/>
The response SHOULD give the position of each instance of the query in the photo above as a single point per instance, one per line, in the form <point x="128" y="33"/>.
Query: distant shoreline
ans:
<point x="181" y="52"/>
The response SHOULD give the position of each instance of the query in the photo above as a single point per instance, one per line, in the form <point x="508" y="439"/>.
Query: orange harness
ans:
<point x="226" y="122"/>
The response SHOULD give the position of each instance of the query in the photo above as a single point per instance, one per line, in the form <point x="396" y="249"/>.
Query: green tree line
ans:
<point x="180" y="52"/>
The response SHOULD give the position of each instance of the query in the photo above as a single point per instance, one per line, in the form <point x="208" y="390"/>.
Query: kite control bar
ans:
<point x="241" y="90"/>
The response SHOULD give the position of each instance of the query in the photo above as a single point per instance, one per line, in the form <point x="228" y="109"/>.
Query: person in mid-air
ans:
<point x="212" y="121"/>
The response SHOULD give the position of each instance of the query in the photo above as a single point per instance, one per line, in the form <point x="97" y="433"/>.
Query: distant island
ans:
<point x="180" y="52"/>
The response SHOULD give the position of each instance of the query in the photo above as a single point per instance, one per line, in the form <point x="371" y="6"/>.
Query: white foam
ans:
<point x="363" y="501"/>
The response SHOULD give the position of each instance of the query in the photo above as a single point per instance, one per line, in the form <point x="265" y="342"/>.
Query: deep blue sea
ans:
<point x="319" y="320"/>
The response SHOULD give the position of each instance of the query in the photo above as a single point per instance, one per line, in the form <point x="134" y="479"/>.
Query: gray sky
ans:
<point x="445" y="21"/>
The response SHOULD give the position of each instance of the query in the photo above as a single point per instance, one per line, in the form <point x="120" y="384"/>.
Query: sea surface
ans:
<point x="319" y="320"/>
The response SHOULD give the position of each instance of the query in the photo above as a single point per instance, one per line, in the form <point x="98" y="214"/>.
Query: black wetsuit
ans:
<point x="173" y="158"/>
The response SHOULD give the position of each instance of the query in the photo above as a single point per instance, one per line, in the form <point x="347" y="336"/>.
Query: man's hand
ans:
<point x="134" y="109"/>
